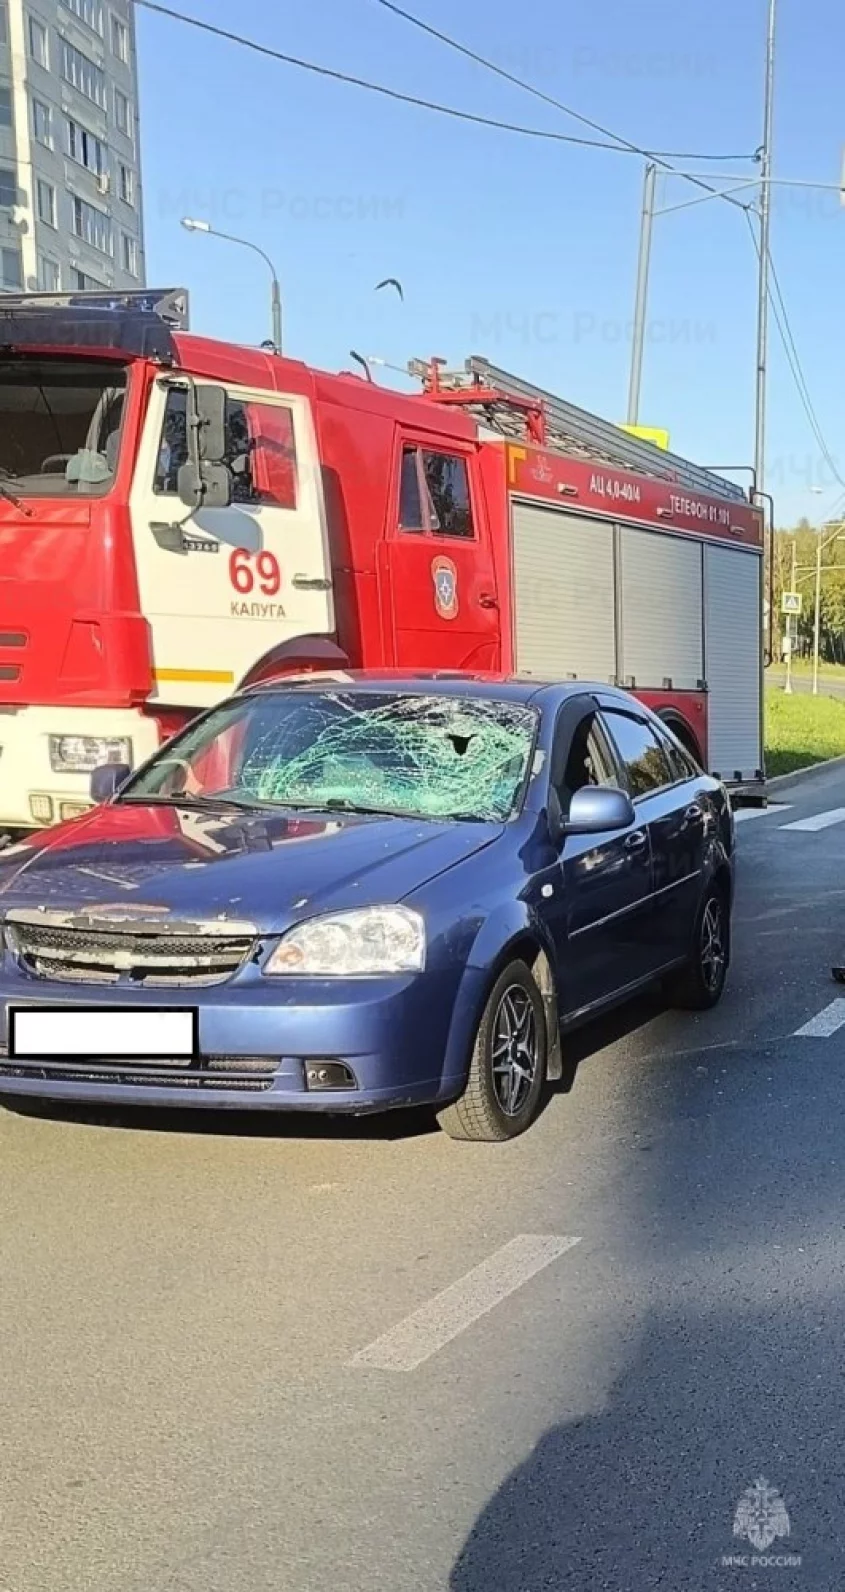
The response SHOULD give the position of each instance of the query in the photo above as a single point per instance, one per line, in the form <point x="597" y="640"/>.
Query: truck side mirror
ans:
<point x="204" y="486"/>
<point x="211" y="423"/>
<point x="107" y="780"/>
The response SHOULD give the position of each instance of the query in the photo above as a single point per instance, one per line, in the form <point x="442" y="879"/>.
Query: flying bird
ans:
<point x="390" y="281"/>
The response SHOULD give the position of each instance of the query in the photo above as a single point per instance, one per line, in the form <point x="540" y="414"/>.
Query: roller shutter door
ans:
<point x="733" y="661"/>
<point x="661" y="610"/>
<point x="564" y="594"/>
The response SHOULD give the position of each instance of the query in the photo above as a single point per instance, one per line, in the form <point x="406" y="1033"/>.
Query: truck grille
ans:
<point x="108" y="956"/>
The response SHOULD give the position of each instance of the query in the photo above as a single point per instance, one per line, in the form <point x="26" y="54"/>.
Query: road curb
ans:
<point x="780" y="781"/>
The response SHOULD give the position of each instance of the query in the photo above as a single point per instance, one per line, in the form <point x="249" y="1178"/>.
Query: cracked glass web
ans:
<point x="436" y="756"/>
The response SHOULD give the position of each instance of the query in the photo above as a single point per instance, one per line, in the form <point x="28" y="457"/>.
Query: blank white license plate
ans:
<point x="112" y="1033"/>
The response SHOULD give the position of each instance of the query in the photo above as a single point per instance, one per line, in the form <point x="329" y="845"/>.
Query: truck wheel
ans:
<point x="700" y="985"/>
<point x="507" y="1071"/>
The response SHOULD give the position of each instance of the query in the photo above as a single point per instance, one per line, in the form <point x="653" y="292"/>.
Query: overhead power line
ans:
<point x="782" y="321"/>
<point x="661" y="157"/>
<point x="617" y="146"/>
<point x="538" y="93"/>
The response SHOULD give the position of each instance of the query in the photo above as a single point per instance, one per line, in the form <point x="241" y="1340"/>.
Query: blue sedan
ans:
<point x="354" y="894"/>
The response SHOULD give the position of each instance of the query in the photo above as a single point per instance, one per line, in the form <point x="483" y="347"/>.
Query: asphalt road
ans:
<point x="181" y="1307"/>
<point x="829" y="685"/>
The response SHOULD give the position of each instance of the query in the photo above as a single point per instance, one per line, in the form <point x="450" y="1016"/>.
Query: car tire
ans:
<point x="701" y="984"/>
<point x="507" y="1070"/>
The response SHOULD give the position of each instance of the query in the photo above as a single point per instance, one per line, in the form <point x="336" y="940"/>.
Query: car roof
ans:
<point x="485" y="686"/>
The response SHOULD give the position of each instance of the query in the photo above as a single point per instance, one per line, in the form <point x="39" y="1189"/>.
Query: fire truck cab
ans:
<point x="177" y="514"/>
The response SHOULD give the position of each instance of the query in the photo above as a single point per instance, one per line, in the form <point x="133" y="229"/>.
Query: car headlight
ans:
<point x="369" y="941"/>
<point x="81" y="754"/>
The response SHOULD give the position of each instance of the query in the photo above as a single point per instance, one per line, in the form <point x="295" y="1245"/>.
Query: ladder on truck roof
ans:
<point x="515" y="408"/>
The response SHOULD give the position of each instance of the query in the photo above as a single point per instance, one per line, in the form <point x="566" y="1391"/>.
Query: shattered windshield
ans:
<point x="416" y="755"/>
<point x="60" y="422"/>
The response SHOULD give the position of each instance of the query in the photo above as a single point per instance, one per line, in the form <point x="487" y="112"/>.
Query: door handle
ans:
<point x="311" y="583"/>
<point x="487" y="600"/>
<point x="637" y="841"/>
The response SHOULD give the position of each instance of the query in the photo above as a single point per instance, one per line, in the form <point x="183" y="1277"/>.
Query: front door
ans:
<point x="601" y="902"/>
<point x="440" y="583"/>
<point x="221" y="586"/>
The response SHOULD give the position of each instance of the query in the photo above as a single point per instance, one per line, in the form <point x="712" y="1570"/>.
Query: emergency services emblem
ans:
<point x="445" y="577"/>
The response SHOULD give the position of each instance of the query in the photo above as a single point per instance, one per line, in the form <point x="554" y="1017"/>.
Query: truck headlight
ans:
<point x="366" y="942"/>
<point x="81" y="754"/>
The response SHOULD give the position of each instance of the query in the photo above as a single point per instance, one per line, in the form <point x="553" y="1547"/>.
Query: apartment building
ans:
<point x="70" y="176"/>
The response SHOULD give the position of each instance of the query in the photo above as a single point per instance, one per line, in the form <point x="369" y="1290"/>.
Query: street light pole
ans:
<point x="641" y="301"/>
<point x="790" y="628"/>
<point x="765" y="228"/>
<point x="192" y="225"/>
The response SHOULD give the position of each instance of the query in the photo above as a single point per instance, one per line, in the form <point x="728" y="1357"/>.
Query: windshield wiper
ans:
<point x="12" y="497"/>
<point x="339" y="804"/>
<point x="201" y="803"/>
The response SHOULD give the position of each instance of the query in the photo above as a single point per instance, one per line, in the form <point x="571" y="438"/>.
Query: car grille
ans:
<point x="107" y="956"/>
<point x="242" y="1073"/>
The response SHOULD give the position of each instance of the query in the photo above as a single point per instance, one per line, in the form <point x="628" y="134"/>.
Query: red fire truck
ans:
<point x="177" y="513"/>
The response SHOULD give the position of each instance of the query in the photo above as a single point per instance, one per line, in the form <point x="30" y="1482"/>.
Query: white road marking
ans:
<point x="745" y="814"/>
<point x="449" y="1313"/>
<point x="810" y="826"/>
<point x="824" y="1023"/>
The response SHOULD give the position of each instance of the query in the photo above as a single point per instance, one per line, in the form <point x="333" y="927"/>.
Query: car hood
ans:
<point x="186" y="865"/>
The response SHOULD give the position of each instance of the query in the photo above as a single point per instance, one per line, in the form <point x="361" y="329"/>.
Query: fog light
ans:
<point x="329" y="1075"/>
<point x="41" y="808"/>
<point x="70" y="810"/>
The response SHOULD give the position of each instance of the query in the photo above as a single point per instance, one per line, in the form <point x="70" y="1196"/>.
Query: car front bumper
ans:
<point x="405" y="1040"/>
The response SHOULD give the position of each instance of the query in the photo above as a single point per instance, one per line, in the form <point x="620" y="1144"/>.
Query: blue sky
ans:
<point x="520" y="250"/>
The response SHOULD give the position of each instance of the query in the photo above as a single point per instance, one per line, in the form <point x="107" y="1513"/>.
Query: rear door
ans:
<point x="665" y="801"/>
<point x="441" y="582"/>
<point x="221" y="586"/>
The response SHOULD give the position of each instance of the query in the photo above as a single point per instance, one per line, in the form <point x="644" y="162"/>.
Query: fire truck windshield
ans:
<point x="60" y="425"/>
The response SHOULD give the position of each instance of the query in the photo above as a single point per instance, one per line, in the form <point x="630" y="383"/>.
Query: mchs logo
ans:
<point x="445" y="577"/>
<point x="761" y="1518"/>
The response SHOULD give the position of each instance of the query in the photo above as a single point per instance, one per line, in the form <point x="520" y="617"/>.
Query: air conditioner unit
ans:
<point x="104" y="182"/>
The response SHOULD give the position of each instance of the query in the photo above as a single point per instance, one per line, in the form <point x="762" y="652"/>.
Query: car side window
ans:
<point x="644" y="759"/>
<point x="589" y="762"/>
<point x="681" y="763"/>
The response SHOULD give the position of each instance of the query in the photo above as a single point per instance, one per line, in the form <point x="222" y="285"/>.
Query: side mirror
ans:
<point x="211" y="423"/>
<point x="107" y="780"/>
<point x="204" y="486"/>
<point x="599" y="809"/>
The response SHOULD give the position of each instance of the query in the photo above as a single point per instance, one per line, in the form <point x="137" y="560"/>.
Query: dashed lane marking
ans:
<point x="745" y="814"/>
<point x="824" y="1023"/>
<point x="448" y="1314"/>
<point x="810" y="826"/>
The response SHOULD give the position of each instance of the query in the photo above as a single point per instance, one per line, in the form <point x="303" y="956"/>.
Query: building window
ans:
<point x="85" y="148"/>
<point x="42" y="123"/>
<point x="39" y="45"/>
<point x="8" y="186"/>
<point x="81" y="282"/>
<point x="48" y="275"/>
<point x="83" y="74"/>
<point x="92" y="225"/>
<point x="122" y="118"/>
<point x="5" y="107"/>
<point x="4" y="24"/>
<point x="127" y="185"/>
<point x="120" y="40"/>
<point x="129" y="254"/>
<point x="46" y="202"/>
<point x="88" y="11"/>
<point x="10" y="265"/>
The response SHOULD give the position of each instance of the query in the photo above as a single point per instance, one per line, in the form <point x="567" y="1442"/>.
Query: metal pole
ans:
<point x="765" y="226"/>
<point x="817" y="623"/>
<point x="790" y="626"/>
<point x="277" y="314"/>
<point x="641" y="303"/>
